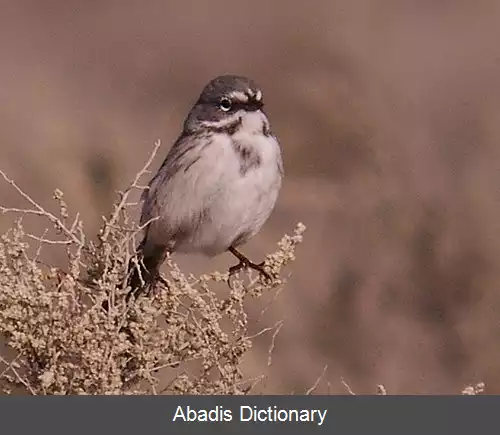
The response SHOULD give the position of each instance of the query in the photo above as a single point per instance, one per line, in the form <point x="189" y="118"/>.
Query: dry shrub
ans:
<point x="62" y="341"/>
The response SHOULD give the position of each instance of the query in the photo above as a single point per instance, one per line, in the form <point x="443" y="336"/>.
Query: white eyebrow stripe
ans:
<point x="237" y="95"/>
<point x="258" y="95"/>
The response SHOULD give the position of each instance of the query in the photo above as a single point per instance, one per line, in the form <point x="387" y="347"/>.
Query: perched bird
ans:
<point x="217" y="185"/>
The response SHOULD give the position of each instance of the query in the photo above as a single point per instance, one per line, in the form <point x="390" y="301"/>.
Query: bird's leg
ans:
<point x="245" y="263"/>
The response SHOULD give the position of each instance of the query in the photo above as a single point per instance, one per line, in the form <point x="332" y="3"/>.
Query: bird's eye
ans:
<point x="225" y="104"/>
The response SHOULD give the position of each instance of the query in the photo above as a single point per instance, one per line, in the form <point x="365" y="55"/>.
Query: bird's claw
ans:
<point x="249" y="265"/>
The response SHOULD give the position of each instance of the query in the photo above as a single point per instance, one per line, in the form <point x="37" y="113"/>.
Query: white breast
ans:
<point x="236" y="205"/>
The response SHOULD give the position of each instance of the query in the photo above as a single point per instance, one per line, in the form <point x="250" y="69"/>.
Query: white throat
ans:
<point x="252" y="122"/>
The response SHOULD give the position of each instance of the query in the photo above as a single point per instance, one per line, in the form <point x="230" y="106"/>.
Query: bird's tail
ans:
<point x="144" y="271"/>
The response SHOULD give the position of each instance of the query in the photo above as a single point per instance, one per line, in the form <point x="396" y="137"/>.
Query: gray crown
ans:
<point x="224" y="86"/>
<point x="242" y="92"/>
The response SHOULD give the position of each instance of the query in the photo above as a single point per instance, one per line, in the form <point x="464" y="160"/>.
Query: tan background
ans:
<point x="389" y="117"/>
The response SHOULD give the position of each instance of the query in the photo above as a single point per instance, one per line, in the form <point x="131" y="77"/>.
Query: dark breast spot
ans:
<point x="249" y="157"/>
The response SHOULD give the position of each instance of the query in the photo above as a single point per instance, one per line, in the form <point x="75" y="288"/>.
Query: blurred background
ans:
<point x="388" y="113"/>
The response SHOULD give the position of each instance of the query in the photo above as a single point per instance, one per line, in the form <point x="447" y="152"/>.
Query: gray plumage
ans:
<point x="219" y="182"/>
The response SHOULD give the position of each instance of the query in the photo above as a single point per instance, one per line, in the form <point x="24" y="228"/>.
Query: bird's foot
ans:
<point x="249" y="265"/>
<point x="245" y="263"/>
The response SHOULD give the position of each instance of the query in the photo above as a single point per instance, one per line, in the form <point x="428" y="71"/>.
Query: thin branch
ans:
<point x="311" y="390"/>
<point x="18" y="376"/>
<point x="253" y="383"/>
<point x="273" y="343"/>
<point x="39" y="210"/>
<point x="135" y="185"/>
<point x="347" y="387"/>
<point x="48" y="241"/>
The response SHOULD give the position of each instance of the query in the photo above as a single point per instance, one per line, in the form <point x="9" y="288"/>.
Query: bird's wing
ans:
<point x="184" y="152"/>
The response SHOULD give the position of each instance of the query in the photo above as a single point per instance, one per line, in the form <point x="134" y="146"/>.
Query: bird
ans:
<point x="216" y="187"/>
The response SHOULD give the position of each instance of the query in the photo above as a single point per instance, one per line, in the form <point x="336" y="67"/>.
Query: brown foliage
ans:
<point x="63" y="342"/>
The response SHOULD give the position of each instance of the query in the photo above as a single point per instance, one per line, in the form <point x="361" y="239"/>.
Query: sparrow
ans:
<point x="217" y="185"/>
